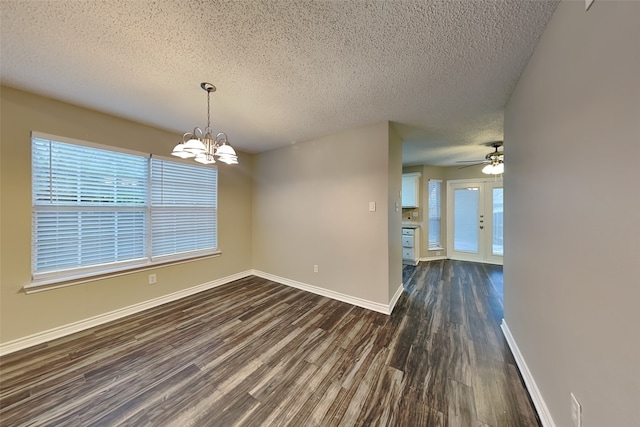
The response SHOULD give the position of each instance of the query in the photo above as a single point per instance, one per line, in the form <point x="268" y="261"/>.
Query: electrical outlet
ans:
<point x="438" y="253"/>
<point x="576" y="411"/>
<point x="315" y="268"/>
<point x="152" y="279"/>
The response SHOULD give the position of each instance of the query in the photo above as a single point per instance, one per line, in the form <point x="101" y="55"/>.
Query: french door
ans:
<point x="475" y="220"/>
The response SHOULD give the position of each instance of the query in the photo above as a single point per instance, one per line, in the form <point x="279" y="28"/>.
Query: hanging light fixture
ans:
<point x="202" y="146"/>
<point x="495" y="160"/>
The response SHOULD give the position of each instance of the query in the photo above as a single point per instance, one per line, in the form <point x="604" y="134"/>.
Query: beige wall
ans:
<point x="394" y="210"/>
<point x="310" y="207"/>
<point x="572" y="226"/>
<point x="22" y="315"/>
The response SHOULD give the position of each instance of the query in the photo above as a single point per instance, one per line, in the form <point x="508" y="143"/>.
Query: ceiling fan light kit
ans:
<point x="495" y="159"/>
<point x="202" y="146"/>
<point x="494" y="169"/>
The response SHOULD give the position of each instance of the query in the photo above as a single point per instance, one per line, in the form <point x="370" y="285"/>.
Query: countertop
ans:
<point x="410" y="224"/>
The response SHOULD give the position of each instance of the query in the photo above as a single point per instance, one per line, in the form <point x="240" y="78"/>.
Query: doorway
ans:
<point x="475" y="228"/>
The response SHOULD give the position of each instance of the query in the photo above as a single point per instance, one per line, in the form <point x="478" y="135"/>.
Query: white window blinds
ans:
<point x="89" y="207"/>
<point x="183" y="209"/>
<point x="97" y="211"/>
<point x="434" y="214"/>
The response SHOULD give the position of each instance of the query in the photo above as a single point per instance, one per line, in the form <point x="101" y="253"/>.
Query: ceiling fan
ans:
<point x="494" y="161"/>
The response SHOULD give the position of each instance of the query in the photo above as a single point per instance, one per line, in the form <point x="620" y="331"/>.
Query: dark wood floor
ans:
<point x="258" y="353"/>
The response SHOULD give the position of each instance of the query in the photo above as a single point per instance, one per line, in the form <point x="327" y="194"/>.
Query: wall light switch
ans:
<point x="372" y="206"/>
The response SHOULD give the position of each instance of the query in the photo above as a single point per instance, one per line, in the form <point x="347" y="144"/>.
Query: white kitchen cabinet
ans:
<point x="410" y="245"/>
<point x="411" y="190"/>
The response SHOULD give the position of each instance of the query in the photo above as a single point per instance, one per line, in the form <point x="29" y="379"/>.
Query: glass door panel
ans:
<point x="465" y="223"/>
<point x="497" y="244"/>
<point x="475" y="210"/>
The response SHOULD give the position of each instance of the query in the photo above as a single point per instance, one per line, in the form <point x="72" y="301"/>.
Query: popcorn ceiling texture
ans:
<point x="286" y="71"/>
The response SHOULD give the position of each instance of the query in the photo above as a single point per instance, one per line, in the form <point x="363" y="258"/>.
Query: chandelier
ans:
<point x="202" y="146"/>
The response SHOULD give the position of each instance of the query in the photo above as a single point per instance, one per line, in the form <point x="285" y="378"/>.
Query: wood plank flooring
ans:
<point x="258" y="353"/>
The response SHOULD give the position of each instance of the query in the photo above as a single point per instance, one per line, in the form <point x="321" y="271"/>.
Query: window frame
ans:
<point x="41" y="280"/>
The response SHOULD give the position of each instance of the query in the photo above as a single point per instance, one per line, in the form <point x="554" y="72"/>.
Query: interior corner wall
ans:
<point x="572" y="233"/>
<point x="24" y="315"/>
<point x="394" y="209"/>
<point x="311" y="207"/>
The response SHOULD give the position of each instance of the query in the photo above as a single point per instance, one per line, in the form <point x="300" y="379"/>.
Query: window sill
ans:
<point x="41" y="286"/>
<point x="436" y="249"/>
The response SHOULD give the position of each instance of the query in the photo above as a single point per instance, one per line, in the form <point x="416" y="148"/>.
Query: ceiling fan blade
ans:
<point x="475" y="164"/>
<point x="471" y="161"/>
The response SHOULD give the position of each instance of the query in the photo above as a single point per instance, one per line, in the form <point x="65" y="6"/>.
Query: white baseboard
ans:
<point x="472" y="259"/>
<point x="433" y="258"/>
<point x="395" y="298"/>
<point x="370" y="305"/>
<point x="61" y="331"/>
<point x="536" y="396"/>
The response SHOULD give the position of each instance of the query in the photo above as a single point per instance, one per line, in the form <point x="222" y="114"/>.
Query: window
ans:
<point x="183" y="209"/>
<point x="434" y="214"/>
<point x="97" y="210"/>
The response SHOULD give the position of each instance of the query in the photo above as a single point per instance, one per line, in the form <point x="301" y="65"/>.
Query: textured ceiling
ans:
<point x="286" y="71"/>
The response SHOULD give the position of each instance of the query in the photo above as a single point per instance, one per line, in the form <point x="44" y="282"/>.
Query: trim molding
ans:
<point x="81" y="325"/>
<point x="370" y="305"/>
<point x="536" y="396"/>
<point x="433" y="258"/>
<point x="471" y="259"/>
<point x="395" y="298"/>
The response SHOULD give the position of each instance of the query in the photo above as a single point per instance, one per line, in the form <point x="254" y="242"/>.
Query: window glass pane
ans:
<point x="184" y="208"/>
<point x="74" y="239"/>
<point x="89" y="207"/>
<point x="498" y="226"/>
<point x="434" y="214"/>
<point x="67" y="174"/>
<point x="180" y="184"/>
<point x="465" y="221"/>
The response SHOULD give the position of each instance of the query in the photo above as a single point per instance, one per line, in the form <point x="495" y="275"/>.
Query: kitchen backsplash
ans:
<point x="411" y="214"/>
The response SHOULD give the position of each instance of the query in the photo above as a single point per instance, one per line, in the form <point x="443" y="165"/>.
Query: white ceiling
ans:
<point x="286" y="71"/>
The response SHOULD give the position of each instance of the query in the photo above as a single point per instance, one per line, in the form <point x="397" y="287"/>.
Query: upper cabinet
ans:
<point x="411" y="190"/>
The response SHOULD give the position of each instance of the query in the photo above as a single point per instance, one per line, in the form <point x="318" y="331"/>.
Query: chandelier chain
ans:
<point x="208" y="109"/>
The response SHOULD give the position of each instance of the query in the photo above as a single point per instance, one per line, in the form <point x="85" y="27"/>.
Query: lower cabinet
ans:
<point x="410" y="245"/>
